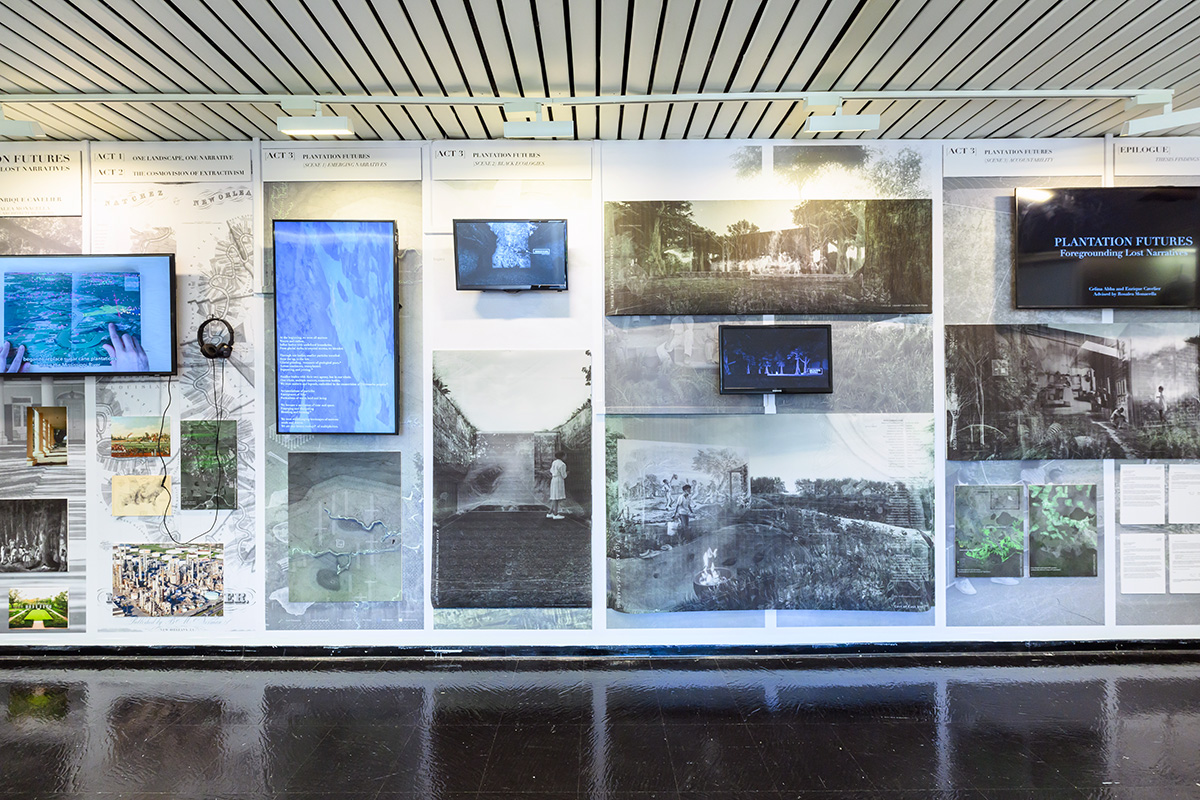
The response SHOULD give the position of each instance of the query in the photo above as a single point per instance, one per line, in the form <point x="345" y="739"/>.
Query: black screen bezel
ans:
<point x="396" y="386"/>
<point x="723" y="389"/>
<point x="149" y="373"/>
<point x="463" y="287"/>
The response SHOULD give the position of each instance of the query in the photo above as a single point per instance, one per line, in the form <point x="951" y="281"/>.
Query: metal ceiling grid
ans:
<point x="561" y="48"/>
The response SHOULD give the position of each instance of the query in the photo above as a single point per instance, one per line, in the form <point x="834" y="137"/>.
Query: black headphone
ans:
<point x="220" y="350"/>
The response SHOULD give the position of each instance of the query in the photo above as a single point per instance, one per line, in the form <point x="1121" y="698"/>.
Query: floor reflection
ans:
<point x="665" y="729"/>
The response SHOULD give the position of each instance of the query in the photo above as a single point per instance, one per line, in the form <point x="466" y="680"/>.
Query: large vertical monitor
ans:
<point x="1115" y="247"/>
<point x="89" y="314"/>
<point x="336" y="369"/>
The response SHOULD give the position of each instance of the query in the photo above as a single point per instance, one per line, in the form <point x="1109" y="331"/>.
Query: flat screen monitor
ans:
<point x="336" y="369"/>
<point x="510" y="255"/>
<point x="766" y="359"/>
<point x="1119" y="247"/>
<point x="89" y="314"/>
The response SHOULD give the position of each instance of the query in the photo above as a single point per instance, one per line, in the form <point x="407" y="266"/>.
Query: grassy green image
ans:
<point x="989" y="532"/>
<point x="1063" y="536"/>
<point x="209" y="461"/>
<point x="37" y="608"/>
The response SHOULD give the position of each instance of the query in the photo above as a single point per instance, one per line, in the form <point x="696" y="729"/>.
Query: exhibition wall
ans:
<point x="787" y="396"/>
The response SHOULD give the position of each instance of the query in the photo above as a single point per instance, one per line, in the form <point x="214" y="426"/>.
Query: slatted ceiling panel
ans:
<point x="414" y="122"/>
<point x="498" y="53"/>
<point x="856" y="43"/>
<point x="723" y="43"/>
<point x="735" y="38"/>
<point x="745" y="75"/>
<point x="250" y="52"/>
<point x="525" y="44"/>
<point x="772" y="73"/>
<point x="582" y="28"/>
<point x="137" y="24"/>
<point x="700" y="42"/>
<point x="431" y="57"/>
<point x="671" y="25"/>
<point x="112" y="41"/>
<point x="69" y="51"/>
<point x="552" y="33"/>
<point x="349" y="42"/>
<point x="611" y="57"/>
<point x="470" y="60"/>
<point x="781" y="119"/>
<point x="934" y="19"/>
<point x="409" y="51"/>
<point x="642" y="38"/>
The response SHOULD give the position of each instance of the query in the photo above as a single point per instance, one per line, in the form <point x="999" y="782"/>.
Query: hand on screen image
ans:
<point x="125" y="352"/>
<point x="18" y="364"/>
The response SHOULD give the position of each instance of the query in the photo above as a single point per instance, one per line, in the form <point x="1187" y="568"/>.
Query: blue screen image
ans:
<point x="511" y="254"/>
<point x="335" y="326"/>
<point x="775" y="358"/>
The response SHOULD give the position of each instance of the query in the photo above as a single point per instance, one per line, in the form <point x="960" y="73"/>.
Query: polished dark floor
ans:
<point x="619" y="730"/>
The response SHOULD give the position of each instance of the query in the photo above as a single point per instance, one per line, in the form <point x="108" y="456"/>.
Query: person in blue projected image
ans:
<point x="125" y="354"/>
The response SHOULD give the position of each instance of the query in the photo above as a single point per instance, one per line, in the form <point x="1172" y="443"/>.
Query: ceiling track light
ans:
<point x="315" y="124"/>
<point x="536" y="128"/>
<point x="837" y="122"/>
<point x="19" y="128"/>
<point x="1162" y="122"/>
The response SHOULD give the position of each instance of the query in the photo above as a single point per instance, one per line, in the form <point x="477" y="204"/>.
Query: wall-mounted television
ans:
<point x="1117" y="247"/>
<point x="767" y="359"/>
<point x="89" y="314"/>
<point x="510" y="255"/>
<point x="336" y="369"/>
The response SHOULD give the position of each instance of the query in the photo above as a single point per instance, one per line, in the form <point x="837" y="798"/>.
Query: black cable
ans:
<point x="217" y="401"/>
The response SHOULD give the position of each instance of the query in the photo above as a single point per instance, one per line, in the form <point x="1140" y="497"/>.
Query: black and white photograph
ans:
<point x="768" y="256"/>
<point x="512" y="478"/>
<point x="668" y="364"/>
<point x="33" y="535"/>
<point x="757" y="512"/>
<point x="344" y="527"/>
<point x="1025" y="392"/>
<point x="208" y="464"/>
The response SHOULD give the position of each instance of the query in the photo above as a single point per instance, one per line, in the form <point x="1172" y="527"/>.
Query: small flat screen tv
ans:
<point x="1117" y="247"/>
<point x="768" y="359"/>
<point x="336" y="367"/>
<point x="510" y="255"/>
<point x="65" y="309"/>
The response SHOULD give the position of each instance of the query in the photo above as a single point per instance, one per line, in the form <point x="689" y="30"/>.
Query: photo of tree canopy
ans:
<point x="768" y="256"/>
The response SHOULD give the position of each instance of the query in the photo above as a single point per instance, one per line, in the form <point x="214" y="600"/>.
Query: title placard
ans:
<point x="183" y="162"/>
<point x="1018" y="158"/>
<point x="341" y="161"/>
<point x="1177" y="155"/>
<point x="551" y="161"/>
<point x="41" y="180"/>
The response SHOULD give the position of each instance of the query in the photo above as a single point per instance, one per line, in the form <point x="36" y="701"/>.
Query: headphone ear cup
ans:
<point x="208" y="351"/>
<point x="224" y="350"/>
